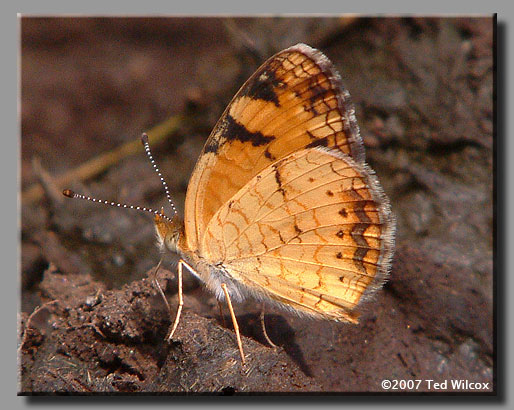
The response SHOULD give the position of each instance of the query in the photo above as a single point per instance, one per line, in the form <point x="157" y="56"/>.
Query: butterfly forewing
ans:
<point x="294" y="100"/>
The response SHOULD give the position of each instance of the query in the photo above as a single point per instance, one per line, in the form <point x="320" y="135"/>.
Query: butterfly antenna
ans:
<point x="70" y="194"/>
<point x="144" y="140"/>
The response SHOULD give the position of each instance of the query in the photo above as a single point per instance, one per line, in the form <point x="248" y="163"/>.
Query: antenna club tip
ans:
<point x="68" y="193"/>
<point x="144" y="138"/>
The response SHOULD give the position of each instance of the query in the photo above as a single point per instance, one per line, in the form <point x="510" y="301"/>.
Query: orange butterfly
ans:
<point x="281" y="206"/>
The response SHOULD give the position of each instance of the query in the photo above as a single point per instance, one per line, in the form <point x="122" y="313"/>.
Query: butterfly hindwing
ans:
<point x="313" y="230"/>
<point x="293" y="101"/>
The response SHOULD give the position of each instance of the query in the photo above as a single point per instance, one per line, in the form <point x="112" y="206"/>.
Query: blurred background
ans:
<point x="422" y="88"/>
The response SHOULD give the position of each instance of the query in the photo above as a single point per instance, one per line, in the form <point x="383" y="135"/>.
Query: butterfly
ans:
<point x="281" y="206"/>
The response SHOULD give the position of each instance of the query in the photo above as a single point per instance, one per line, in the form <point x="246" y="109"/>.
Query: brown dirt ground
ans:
<point x="423" y="93"/>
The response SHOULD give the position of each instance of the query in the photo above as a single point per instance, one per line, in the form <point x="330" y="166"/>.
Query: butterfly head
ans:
<point x="168" y="232"/>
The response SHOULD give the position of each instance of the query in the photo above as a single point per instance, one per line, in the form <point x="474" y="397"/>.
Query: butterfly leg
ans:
<point x="234" y="321"/>
<point x="180" y="298"/>
<point x="156" y="285"/>
<point x="221" y="313"/>
<point x="273" y="345"/>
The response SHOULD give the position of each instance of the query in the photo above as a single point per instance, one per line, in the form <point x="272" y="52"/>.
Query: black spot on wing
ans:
<point x="212" y="145"/>
<point x="321" y="142"/>
<point x="234" y="131"/>
<point x="278" y="179"/>
<point x="269" y="155"/>
<point x="263" y="87"/>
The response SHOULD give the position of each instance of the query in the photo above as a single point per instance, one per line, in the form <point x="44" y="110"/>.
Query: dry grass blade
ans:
<point x="100" y="163"/>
